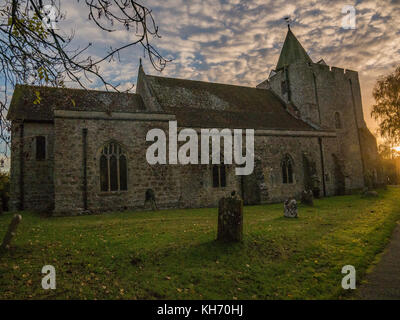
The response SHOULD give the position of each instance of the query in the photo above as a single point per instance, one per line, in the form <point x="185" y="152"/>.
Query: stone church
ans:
<point x="85" y="151"/>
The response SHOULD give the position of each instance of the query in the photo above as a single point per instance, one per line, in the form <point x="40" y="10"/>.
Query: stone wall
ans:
<point x="319" y="91"/>
<point x="175" y="186"/>
<point x="196" y="186"/>
<point x="37" y="174"/>
<point x="57" y="182"/>
<point x="187" y="186"/>
<point x="130" y="136"/>
<point x="271" y="150"/>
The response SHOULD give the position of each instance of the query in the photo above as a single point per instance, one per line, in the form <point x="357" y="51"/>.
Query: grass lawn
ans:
<point x="172" y="254"/>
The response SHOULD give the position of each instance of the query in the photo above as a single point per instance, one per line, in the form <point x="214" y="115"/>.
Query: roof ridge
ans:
<point x="72" y="89"/>
<point x="205" y="82"/>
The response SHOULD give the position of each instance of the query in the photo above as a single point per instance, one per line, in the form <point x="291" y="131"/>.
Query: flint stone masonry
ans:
<point x="176" y="185"/>
<point x="38" y="183"/>
<point x="184" y="186"/>
<point x="319" y="92"/>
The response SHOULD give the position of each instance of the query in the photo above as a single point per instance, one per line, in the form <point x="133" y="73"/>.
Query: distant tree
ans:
<point x="388" y="156"/>
<point x="387" y="107"/>
<point x="33" y="52"/>
<point x="386" y="150"/>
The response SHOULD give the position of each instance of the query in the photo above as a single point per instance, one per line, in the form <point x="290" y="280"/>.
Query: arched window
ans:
<point x="219" y="175"/>
<point x="113" y="168"/>
<point x="338" y="121"/>
<point x="287" y="169"/>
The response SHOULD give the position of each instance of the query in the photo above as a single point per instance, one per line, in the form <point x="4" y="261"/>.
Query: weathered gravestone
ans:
<point x="12" y="228"/>
<point x="230" y="219"/>
<point x="150" y="197"/>
<point x="315" y="185"/>
<point x="290" y="208"/>
<point x="307" y="198"/>
<point x="369" y="194"/>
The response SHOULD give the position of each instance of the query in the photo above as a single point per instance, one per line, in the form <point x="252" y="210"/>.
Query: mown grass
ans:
<point x="172" y="254"/>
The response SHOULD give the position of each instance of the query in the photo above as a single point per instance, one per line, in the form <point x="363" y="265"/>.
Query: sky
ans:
<point x="239" y="41"/>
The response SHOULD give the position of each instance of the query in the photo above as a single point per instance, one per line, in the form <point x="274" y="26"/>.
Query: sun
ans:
<point x="396" y="148"/>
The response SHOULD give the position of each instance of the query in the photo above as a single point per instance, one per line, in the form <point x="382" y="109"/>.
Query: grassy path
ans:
<point x="172" y="254"/>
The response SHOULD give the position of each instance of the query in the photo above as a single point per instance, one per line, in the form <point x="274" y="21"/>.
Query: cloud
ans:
<point x="238" y="41"/>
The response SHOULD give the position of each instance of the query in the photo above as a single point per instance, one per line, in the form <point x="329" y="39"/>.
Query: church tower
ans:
<point x="326" y="98"/>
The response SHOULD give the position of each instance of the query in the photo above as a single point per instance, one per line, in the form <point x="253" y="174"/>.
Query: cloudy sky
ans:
<point x="238" y="41"/>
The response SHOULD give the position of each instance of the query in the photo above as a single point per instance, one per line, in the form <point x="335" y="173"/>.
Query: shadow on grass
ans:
<point x="205" y="252"/>
<point x="291" y="220"/>
<point x="212" y="252"/>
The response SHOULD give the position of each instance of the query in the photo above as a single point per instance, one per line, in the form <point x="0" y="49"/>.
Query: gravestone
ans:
<point x="307" y="198"/>
<point x="150" y="197"/>
<point x="368" y="178"/>
<point x="12" y="228"/>
<point x="290" y="208"/>
<point x="369" y="194"/>
<point x="315" y="185"/>
<point x="230" y="219"/>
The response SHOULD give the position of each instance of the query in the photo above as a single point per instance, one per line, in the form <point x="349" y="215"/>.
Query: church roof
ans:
<point x="195" y="104"/>
<point x="208" y="105"/>
<point x="292" y="51"/>
<point x="22" y="106"/>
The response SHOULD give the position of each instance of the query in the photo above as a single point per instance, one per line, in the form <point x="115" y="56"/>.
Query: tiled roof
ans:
<point x="22" y="105"/>
<point x="195" y="104"/>
<point x="205" y="105"/>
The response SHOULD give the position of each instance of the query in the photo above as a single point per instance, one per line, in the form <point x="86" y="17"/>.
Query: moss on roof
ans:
<point x="195" y="104"/>
<point x="23" y="106"/>
<point x="205" y="104"/>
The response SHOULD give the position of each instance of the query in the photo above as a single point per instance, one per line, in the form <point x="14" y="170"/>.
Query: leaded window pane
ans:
<point x="123" y="173"/>
<point x="113" y="173"/>
<point x="284" y="173"/>
<point x="290" y="172"/>
<point x="223" y="176"/>
<point x="103" y="173"/>
<point x="287" y="170"/>
<point x="215" y="175"/>
<point x="113" y="169"/>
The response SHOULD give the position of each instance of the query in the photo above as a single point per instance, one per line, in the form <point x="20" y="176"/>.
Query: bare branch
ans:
<point x="30" y="53"/>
